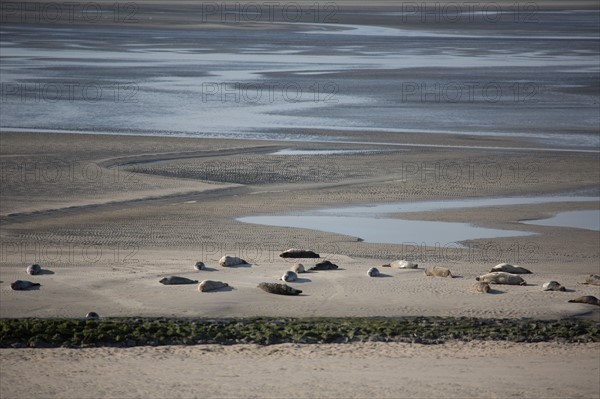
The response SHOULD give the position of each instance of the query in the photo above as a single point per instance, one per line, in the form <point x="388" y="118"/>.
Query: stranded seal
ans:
<point x="438" y="271"/>
<point x="482" y="287"/>
<point x="591" y="300"/>
<point x="508" y="268"/>
<point x="289" y="276"/>
<point x="227" y="261"/>
<point x="373" y="272"/>
<point x="325" y="265"/>
<point x="176" y="280"/>
<point x="402" y="264"/>
<point x="34" y="269"/>
<point x="22" y="285"/>
<point x="279" y="289"/>
<point x="553" y="286"/>
<point x="211" y="285"/>
<point x="501" y="278"/>
<point x="298" y="253"/>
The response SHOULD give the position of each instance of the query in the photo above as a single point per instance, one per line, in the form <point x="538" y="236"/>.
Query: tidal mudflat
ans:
<point x="130" y="151"/>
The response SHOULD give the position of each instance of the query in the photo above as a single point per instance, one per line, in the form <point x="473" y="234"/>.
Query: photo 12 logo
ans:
<point x="448" y="12"/>
<point x="270" y="92"/>
<point x="469" y="92"/>
<point x="68" y="12"/>
<point x="68" y="253"/>
<point x="90" y="92"/>
<point x="269" y="11"/>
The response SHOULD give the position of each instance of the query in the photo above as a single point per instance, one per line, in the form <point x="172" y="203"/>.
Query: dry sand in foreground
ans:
<point x="360" y="370"/>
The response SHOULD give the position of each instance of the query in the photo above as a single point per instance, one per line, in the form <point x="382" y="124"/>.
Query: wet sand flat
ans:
<point x="374" y="107"/>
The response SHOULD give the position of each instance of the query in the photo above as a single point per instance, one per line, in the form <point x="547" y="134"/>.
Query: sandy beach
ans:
<point x="108" y="215"/>
<point x="106" y="245"/>
<point x="378" y="370"/>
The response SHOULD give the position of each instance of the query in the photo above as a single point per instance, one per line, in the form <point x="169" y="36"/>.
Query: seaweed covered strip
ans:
<point x="128" y="332"/>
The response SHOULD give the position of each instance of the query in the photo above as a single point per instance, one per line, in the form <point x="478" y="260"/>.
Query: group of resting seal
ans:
<point x="24" y="285"/>
<point x="292" y="274"/>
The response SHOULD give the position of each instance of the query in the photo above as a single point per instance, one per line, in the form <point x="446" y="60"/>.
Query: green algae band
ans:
<point x="264" y="331"/>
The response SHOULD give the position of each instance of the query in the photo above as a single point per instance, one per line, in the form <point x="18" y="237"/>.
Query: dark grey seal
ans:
<point x="373" y="272"/>
<point x="211" y="285"/>
<point x="553" y="286"/>
<point x="279" y="289"/>
<point x="592" y="279"/>
<point x="22" y="285"/>
<point x="174" y="280"/>
<point x="298" y="253"/>
<point x="34" y="269"/>
<point x="590" y="300"/>
<point x="325" y="265"/>
<point x="199" y="266"/>
<point x="289" y="276"/>
<point x="92" y="316"/>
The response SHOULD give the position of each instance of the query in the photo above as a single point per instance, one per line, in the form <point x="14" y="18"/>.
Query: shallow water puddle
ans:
<point x="293" y="151"/>
<point x="370" y="223"/>
<point x="589" y="220"/>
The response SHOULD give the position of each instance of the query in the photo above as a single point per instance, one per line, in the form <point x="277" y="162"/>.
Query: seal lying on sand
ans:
<point x="592" y="279"/>
<point x="227" y="260"/>
<point x="402" y="264"/>
<point x="591" y="300"/>
<point x="298" y="253"/>
<point x="298" y="268"/>
<point x="211" y="285"/>
<point x="482" y="287"/>
<point x="175" y="280"/>
<point x="289" y="276"/>
<point x="199" y="266"/>
<point x="508" y="268"/>
<point x="501" y="278"/>
<point x="438" y="271"/>
<point x="373" y="272"/>
<point x="92" y="316"/>
<point x="279" y="289"/>
<point x="325" y="265"/>
<point x="22" y="285"/>
<point x="553" y="286"/>
<point x="34" y="269"/>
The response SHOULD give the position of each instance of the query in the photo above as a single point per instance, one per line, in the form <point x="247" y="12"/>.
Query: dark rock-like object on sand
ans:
<point x="298" y="253"/>
<point x="279" y="289"/>
<point x="34" y="269"/>
<point x="175" y="280"/>
<point x="592" y="279"/>
<point x="22" y="285"/>
<point x="325" y="265"/>
<point x="92" y="316"/>
<point x="591" y="300"/>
